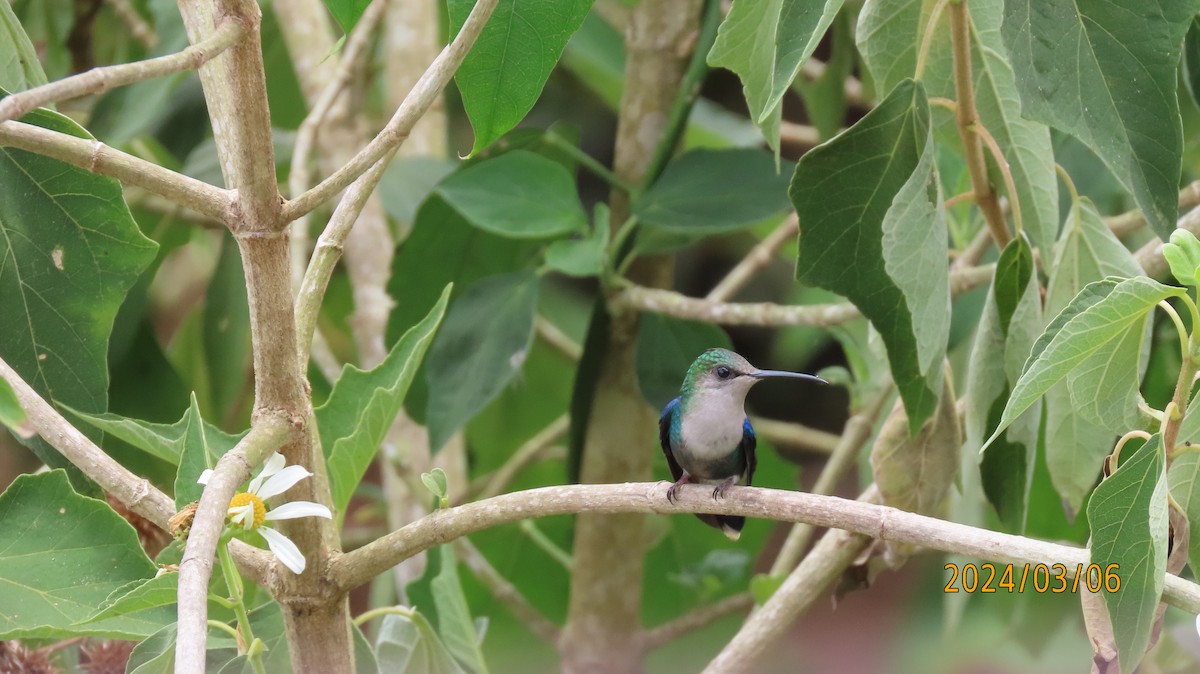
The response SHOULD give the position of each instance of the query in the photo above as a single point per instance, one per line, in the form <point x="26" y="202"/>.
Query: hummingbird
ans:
<point x="705" y="433"/>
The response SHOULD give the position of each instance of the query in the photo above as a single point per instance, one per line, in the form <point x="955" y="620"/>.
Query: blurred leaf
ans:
<point x="156" y="653"/>
<point x="890" y="32"/>
<point x="1087" y="252"/>
<point x="666" y="347"/>
<point x="203" y="444"/>
<point x="1184" y="479"/>
<point x="19" y="65"/>
<point x="480" y="349"/>
<point x="12" y="415"/>
<point x="63" y="555"/>
<point x="503" y="74"/>
<point x="596" y="55"/>
<point x="1191" y="59"/>
<point x="583" y="392"/>
<point x="717" y="571"/>
<point x="706" y="192"/>
<point x="1007" y="330"/>
<point x="364" y="404"/>
<point x="582" y="257"/>
<point x="408" y="644"/>
<point x="762" y="586"/>
<point x="226" y="330"/>
<point x="765" y="42"/>
<point x="1128" y="517"/>
<point x="519" y="194"/>
<point x="138" y="595"/>
<point x="825" y="98"/>
<point x="71" y="252"/>
<point x="454" y="616"/>
<point x="873" y="232"/>
<point x="407" y="182"/>
<point x="1098" y="316"/>
<point x="347" y="12"/>
<point x="1106" y="72"/>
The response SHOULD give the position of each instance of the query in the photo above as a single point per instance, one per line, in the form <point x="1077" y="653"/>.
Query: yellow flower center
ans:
<point x="237" y="507"/>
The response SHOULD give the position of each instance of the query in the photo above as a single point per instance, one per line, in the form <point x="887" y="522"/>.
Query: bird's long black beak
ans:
<point x="770" y="374"/>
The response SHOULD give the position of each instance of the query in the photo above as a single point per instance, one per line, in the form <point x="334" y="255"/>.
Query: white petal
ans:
<point x="282" y="481"/>
<point x="1198" y="624"/>
<point x="294" y="509"/>
<point x="243" y="515"/>
<point x="284" y="549"/>
<point x="203" y="479"/>
<point x="274" y="464"/>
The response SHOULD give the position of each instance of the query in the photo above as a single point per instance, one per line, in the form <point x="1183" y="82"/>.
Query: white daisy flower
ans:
<point x="249" y="510"/>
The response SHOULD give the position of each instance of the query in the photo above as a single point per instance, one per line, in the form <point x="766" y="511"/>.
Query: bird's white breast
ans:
<point x="710" y="434"/>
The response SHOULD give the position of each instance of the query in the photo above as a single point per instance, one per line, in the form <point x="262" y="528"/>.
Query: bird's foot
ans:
<point x="673" y="490"/>
<point x="719" y="490"/>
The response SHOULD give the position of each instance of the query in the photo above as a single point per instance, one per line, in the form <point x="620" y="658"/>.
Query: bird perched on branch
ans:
<point x="705" y="433"/>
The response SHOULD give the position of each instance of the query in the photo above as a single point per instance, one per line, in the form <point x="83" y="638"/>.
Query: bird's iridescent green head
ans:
<point x="725" y="371"/>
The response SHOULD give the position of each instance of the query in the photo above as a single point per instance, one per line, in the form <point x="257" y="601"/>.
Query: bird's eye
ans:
<point x="724" y="372"/>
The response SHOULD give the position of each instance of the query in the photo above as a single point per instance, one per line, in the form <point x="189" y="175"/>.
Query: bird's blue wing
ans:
<point x="664" y="437"/>
<point x="750" y="447"/>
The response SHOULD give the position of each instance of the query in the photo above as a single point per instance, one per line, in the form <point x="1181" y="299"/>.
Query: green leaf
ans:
<point x="706" y="192"/>
<point x="503" y="74"/>
<point x="825" y="97"/>
<point x="1105" y="72"/>
<point x="138" y="595"/>
<point x="889" y="33"/>
<point x="347" y="12"/>
<point x="455" y="624"/>
<point x="1128" y="519"/>
<point x="518" y="194"/>
<point x="1075" y="448"/>
<point x="872" y="230"/>
<point x="666" y="347"/>
<point x="363" y="405"/>
<point x="69" y="253"/>
<point x="407" y="182"/>
<point x="582" y="257"/>
<point x="480" y="349"/>
<point x="203" y="445"/>
<point x="408" y="644"/>
<point x="1183" y="477"/>
<point x="12" y="415"/>
<point x="1099" y="316"/>
<point x="63" y="554"/>
<point x="226" y="330"/>
<point x="19" y="65"/>
<point x="165" y="441"/>
<point x="914" y="473"/>
<point x="1008" y="328"/>
<point x="765" y="42"/>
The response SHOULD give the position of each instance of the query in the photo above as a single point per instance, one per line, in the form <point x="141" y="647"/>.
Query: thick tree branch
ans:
<point x="195" y="569"/>
<point x="94" y="156"/>
<point x="135" y="493"/>
<point x="767" y="314"/>
<point x="423" y="94"/>
<point x="98" y="80"/>
<point x="874" y="521"/>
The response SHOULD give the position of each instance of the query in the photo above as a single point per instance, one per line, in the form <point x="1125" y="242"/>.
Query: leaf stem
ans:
<point x="1005" y="172"/>
<point x="233" y="581"/>
<point x="927" y="38"/>
<point x="590" y="163"/>
<point x="226" y="629"/>
<point x="1179" y="328"/>
<point x="363" y="618"/>
<point x="1066" y="178"/>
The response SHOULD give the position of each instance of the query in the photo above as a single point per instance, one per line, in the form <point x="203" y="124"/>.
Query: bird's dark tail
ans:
<point x="730" y="525"/>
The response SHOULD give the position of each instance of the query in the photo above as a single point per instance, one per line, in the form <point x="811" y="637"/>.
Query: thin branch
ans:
<point x="195" y="570"/>
<point x="836" y="551"/>
<point x="758" y="257"/>
<point x="138" y="27"/>
<point x="974" y="252"/>
<point x="135" y="493"/>
<point x="98" y="80"/>
<point x="171" y="211"/>
<point x="875" y="521"/>
<point x="506" y="593"/>
<point x="300" y="176"/>
<point x="966" y="117"/>
<point x="555" y="337"/>
<point x="766" y="314"/>
<point x="699" y="618"/>
<point x="790" y="434"/>
<point x="1131" y="221"/>
<point x="799" y="134"/>
<point x="423" y="94"/>
<point x="527" y="454"/>
<point x="94" y="156"/>
<point x="855" y="435"/>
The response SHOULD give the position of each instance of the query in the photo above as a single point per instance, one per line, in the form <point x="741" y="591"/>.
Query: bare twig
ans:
<point x="506" y="593"/>
<point x="875" y="521"/>
<point x="799" y="134"/>
<point x="758" y="257"/>
<point x="1131" y="221"/>
<point x="697" y="619"/>
<point x="94" y="156"/>
<point x="428" y="88"/>
<point x="790" y="434"/>
<point x="98" y="80"/>
<point x="974" y="252"/>
<point x="195" y="569"/>
<point x="555" y="337"/>
<point x="766" y="314"/>
<point x="525" y="455"/>
<point x="828" y="560"/>
<point x="138" y="27"/>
